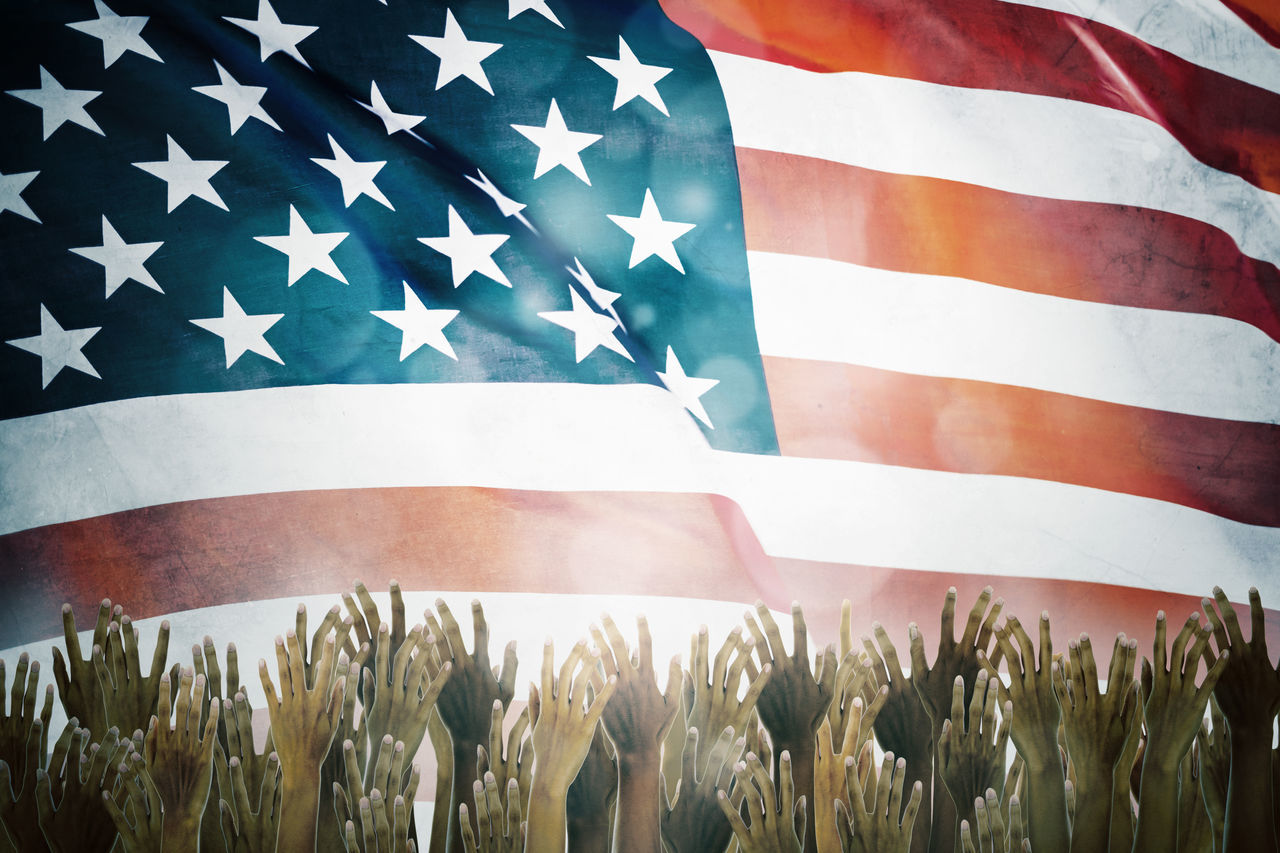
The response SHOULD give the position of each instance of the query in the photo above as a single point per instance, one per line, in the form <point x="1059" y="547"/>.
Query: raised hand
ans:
<point x="78" y="686"/>
<point x="517" y="761"/>
<point x="468" y="695"/>
<point x="971" y="756"/>
<point x="904" y="727"/>
<point x="829" y="770"/>
<point x="405" y="692"/>
<point x="872" y="824"/>
<point x="1173" y="709"/>
<point x="774" y="820"/>
<point x="143" y="833"/>
<point x="593" y="795"/>
<point x="1097" y="725"/>
<point x="1036" y="715"/>
<point x="78" y="823"/>
<point x="251" y="823"/>
<point x="955" y="659"/>
<point x="716" y="702"/>
<point x="366" y="623"/>
<point x="304" y="719"/>
<point x="16" y="720"/>
<point x="855" y="679"/>
<point x="18" y="810"/>
<point x="373" y="802"/>
<point x="180" y="758"/>
<point x="794" y="701"/>
<point x="563" y="726"/>
<point x="986" y="834"/>
<point x="694" y="822"/>
<point x="499" y="830"/>
<point x="1249" y="694"/>
<point x="1215" y="768"/>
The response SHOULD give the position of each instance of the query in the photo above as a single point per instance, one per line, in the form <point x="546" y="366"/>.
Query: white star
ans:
<point x="357" y="178"/>
<point x="241" y="332"/>
<point x="459" y="57"/>
<point x="469" y="252"/>
<point x="57" y="348"/>
<point x="515" y="7"/>
<point x="420" y="325"/>
<point x="590" y="330"/>
<point x="58" y="104"/>
<point x="506" y="206"/>
<point x="635" y="79"/>
<point x="393" y="120"/>
<point x="603" y="298"/>
<point x="272" y="34"/>
<point x="243" y="102"/>
<point x="118" y="34"/>
<point x="186" y="177"/>
<point x="11" y="187"/>
<point x="653" y="235"/>
<point x="557" y="144"/>
<point x="687" y="388"/>
<point x="121" y="261"/>
<point x="306" y="250"/>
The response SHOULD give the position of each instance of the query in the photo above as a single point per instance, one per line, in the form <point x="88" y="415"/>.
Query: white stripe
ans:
<point x="1204" y="32"/>
<point x="1029" y="144"/>
<point x="623" y="438"/>
<point x="1196" y="364"/>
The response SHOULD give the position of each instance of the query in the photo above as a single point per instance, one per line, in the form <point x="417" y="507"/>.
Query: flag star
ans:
<point x="590" y="330"/>
<point x="11" y="188"/>
<point x="653" y="235"/>
<point x="420" y="325"/>
<point x="242" y="102"/>
<point x="186" y="177"/>
<point x="506" y="206"/>
<point x="57" y="347"/>
<point x="356" y="178"/>
<point x="515" y="7"/>
<point x="121" y="261"/>
<point x="635" y="79"/>
<point x="603" y="298"/>
<point x="241" y="332"/>
<point x="117" y="33"/>
<point x="393" y="120"/>
<point x="58" y="104"/>
<point x="459" y="57"/>
<point x="273" y="34"/>
<point x="469" y="252"/>
<point x="306" y="250"/>
<point x="687" y="389"/>
<point x="558" y="145"/>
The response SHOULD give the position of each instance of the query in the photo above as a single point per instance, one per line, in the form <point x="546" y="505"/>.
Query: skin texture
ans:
<point x="563" y="726"/>
<point x="717" y="702"/>
<point x="872" y="824"/>
<point x="1249" y="694"/>
<point x="829" y="770"/>
<point x="1036" y="715"/>
<point x="1097" y="724"/>
<point x="593" y="796"/>
<point x="250" y="824"/>
<point x="179" y="756"/>
<point x="1173" y="707"/>
<point x="370" y="815"/>
<point x="694" y="821"/>
<point x="795" y="700"/>
<point x="499" y="829"/>
<point x="142" y="829"/>
<point x="775" y="823"/>
<point x="68" y="801"/>
<point x="971" y="756"/>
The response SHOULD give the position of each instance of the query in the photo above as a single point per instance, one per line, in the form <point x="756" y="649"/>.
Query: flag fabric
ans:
<point x="710" y="300"/>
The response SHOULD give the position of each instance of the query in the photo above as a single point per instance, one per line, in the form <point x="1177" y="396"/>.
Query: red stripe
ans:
<point x="1262" y="15"/>
<point x="181" y="556"/>
<point x="167" y="559"/>
<point x="986" y="44"/>
<point x="839" y="411"/>
<point x="1080" y="250"/>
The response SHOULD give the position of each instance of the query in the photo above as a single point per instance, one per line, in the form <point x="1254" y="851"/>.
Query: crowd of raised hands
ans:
<point x="753" y="748"/>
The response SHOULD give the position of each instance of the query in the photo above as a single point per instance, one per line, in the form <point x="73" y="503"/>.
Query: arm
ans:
<point x="1097" y="725"/>
<point x="1035" y="731"/>
<point x="79" y="823"/>
<point x="971" y="756"/>
<point x="637" y="720"/>
<point x="1173" y="708"/>
<point x="872" y="824"/>
<point x="793" y="703"/>
<point x="180" y="759"/>
<point x="694" y="823"/>
<point x="773" y="819"/>
<point x="1249" y="695"/>
<point x="829" y="771"/>
<point x="592" y="798"/>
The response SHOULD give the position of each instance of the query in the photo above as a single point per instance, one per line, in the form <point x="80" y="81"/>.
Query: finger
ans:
<point x="890" y="653"/>
<point x="480" y="631"/>
<point x="957" y="703"/>
<point x="799" y="637"/>
<point x="776" y="649"/>
<point x="895" y="793"/>
<point x="1046" y="643"/>
<point x="646" y="649"/>
<point x="464" y="823"/>
<point x="913" y="807"/>
<point x="1159" y="647"/>
<point x="1229" y="617"/>
<point x="919" y="662"/>
<point x="846" y="628"/>
<point x="882" y="786"/>
<point x="451" y="632"/>
<point x="983" y="640"/>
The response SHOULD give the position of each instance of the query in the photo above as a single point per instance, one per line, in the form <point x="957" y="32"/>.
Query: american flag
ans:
<point x="686" y="304"/>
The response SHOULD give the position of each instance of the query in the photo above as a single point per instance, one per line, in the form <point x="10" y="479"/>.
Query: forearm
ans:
<point x="590" y="834"/>
<point x="824" y="830"/>
<point x="1092" y="828"/>
<point x="299" y="808"/>
<point x="1120" y="835"/>
<point x="1046" y="793"/>
<point x="464" y="777"/>
<point x="920" y="769"/>
<point x="182" y="833"/>
<point x="637" y="826"/>
<point x="440" y="815"/>
<point x="546" y="829"/>
<point x="1157" y="828"/>
<point x="943" y="824"/>
<point x="802" y="752"/>
<point x="1248" y="825"/>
